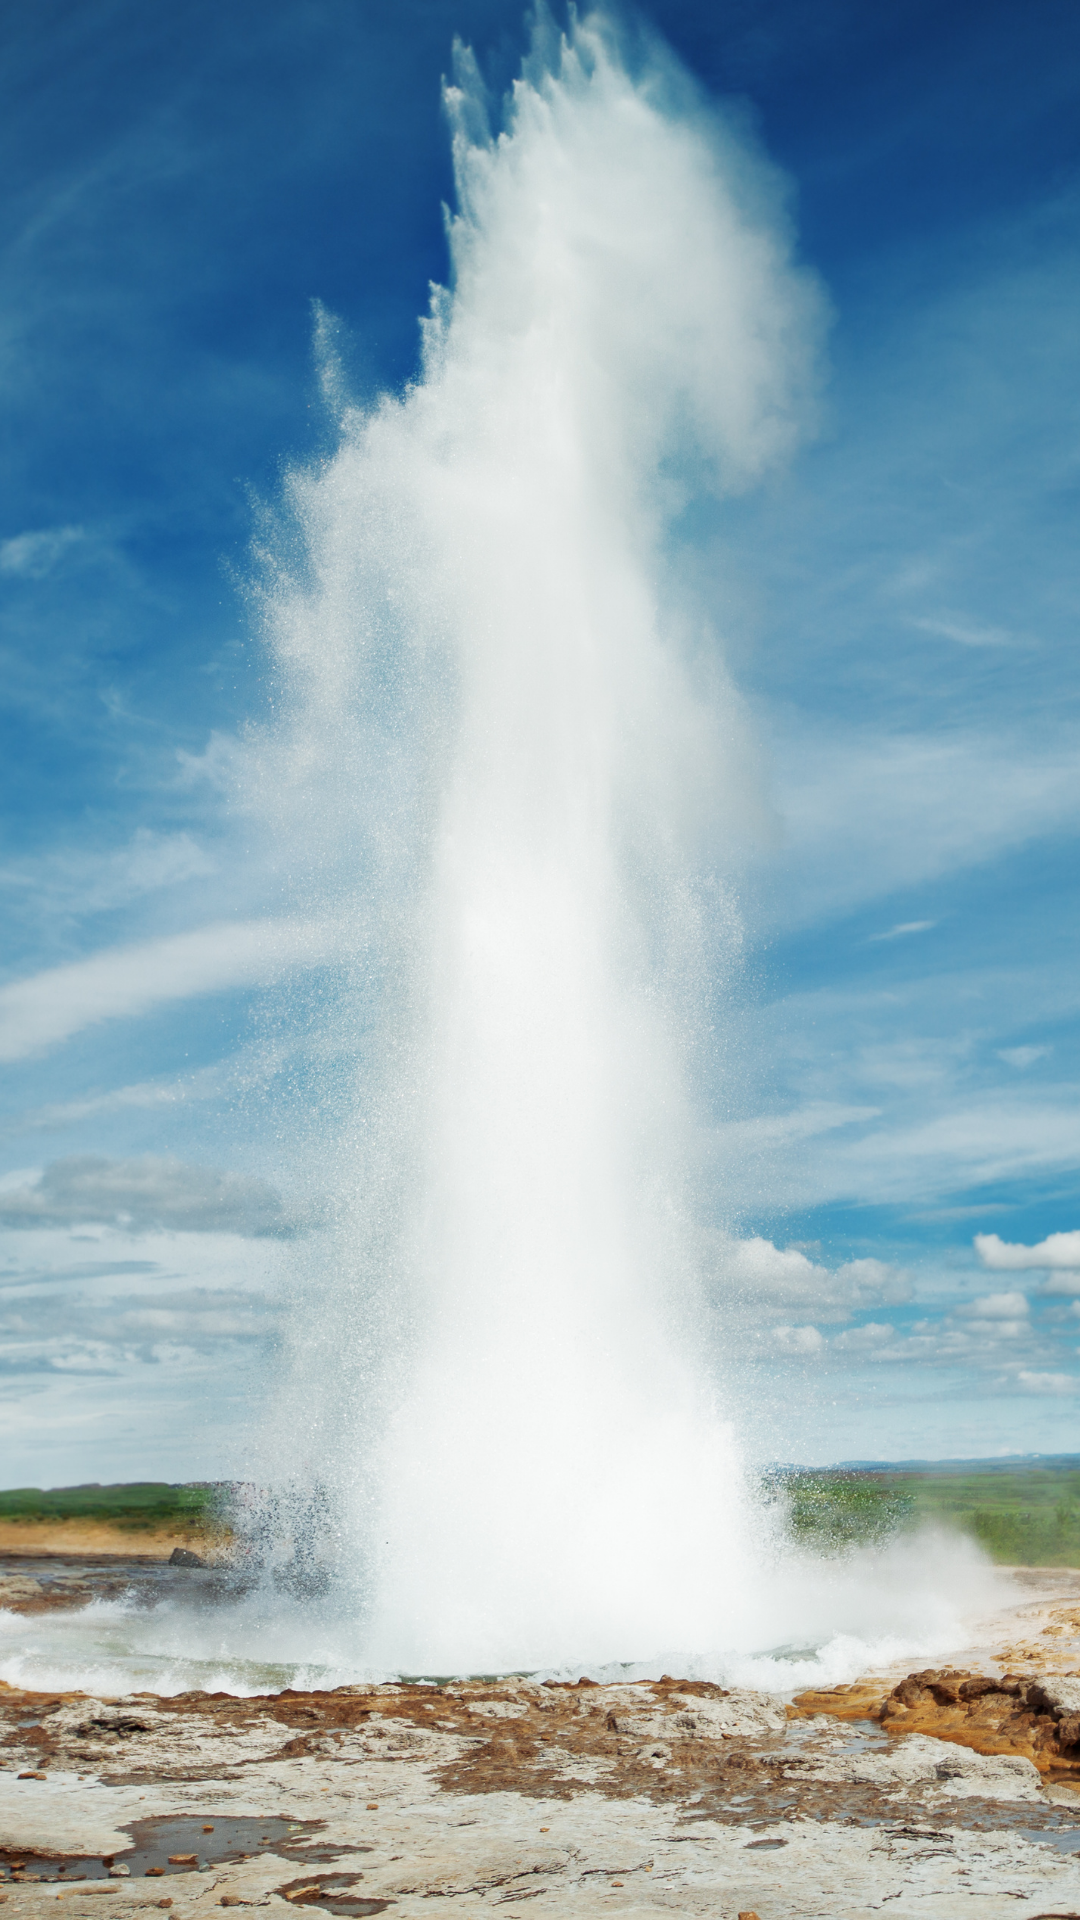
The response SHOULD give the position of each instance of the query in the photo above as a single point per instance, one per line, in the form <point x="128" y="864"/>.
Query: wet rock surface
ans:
<point x="47" y="1582"/>
<point x="910" y="1794"/>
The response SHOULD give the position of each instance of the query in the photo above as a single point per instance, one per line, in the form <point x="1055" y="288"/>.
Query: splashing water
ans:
<point x="549" y="1476"/>
<point x="529" y="782"/>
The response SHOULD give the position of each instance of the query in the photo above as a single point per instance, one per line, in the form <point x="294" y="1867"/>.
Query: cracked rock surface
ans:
<point x="919" y="1794"/>
<point x="657" y="1797"/>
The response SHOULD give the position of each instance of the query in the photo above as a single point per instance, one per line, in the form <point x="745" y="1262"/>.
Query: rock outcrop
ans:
<point x="1035" y="1717"/>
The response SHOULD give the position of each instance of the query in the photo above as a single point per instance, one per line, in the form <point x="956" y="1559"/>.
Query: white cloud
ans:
<point x="127" y="981"/>
<point x="1021" y="1057"/>
<point x="966" y="633"/>
<point x="141" y="1195"/>
<point x="997" y="1306"/>
<point x="1058" y="1250"/>
<point x="118" y="1367"/>
<point x="736" y="1138"/>
<point x="958" y="1147"/>
<point x="34" y="555"/>
<point x="77" y="882"/>
<point x="867" y="813"/>
<point x="769" y="1279"/>
<point x="1054" y="1383"/>
<point x="798" y="1339"/>
<point x="905" y="926"/>
<point x="874" y="1334"/>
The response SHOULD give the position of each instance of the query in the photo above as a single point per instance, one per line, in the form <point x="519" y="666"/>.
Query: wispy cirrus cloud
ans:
<point x="76" y="883"/>
<point x="964" y="1144"/>
<point x="1022" y="1057"/>
<point x="123" y="982"/>
<point x="867" y="812"/>
<point x="34" y="555"/>
<point x="966" y="633"/>
<point x="905" y="927"/>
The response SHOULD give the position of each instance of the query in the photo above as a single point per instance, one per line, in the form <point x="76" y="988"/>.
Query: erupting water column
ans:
<point x="495" y="1372"/>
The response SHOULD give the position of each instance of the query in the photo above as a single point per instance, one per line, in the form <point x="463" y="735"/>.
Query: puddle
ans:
<point x="332" y="1891"/>
<point x="206" y="1839"/>
<point x="862" y="1735"/>
<point x="1063" y="1839"/>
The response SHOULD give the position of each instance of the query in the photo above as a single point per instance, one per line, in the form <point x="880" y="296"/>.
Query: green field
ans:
<point x="1022" y="1512"/>
<point x="148" y="1506"/>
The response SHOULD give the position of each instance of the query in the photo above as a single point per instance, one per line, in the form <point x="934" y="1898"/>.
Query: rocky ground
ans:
<point x="945" y="1792"/>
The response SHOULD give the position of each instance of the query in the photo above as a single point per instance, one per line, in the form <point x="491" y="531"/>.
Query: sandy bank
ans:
<point x="99" y="1537"/>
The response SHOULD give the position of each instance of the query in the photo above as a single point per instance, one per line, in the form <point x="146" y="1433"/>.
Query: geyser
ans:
<point x="518" y="778"/>
<point x="495" y="1377"/>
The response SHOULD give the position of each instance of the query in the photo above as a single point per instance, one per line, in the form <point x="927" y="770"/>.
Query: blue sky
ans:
<point x="899" y="609"/>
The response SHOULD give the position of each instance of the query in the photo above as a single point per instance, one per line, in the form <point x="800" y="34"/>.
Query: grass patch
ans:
<point x="146" y="1506"/>
<point x="829" y="1512"/>
<point x="1022" y="1513"/>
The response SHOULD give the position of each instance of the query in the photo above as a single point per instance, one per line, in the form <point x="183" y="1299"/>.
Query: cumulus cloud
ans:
<point x="869" y="1338"/>
<point x="1053" y="1383"/>
<point x="997" y="1306"/>
<point x="783" y="1280"/>
<point x="1058" y="1250"/>
<point x="146" y="1194"/>
<point x="798" y="1339"/>
<point x="125" y="981"/>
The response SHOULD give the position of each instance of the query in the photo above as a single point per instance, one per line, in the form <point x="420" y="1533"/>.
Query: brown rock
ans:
<point x="863" y="1701"/>
<point x="1013" y="1714"/>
